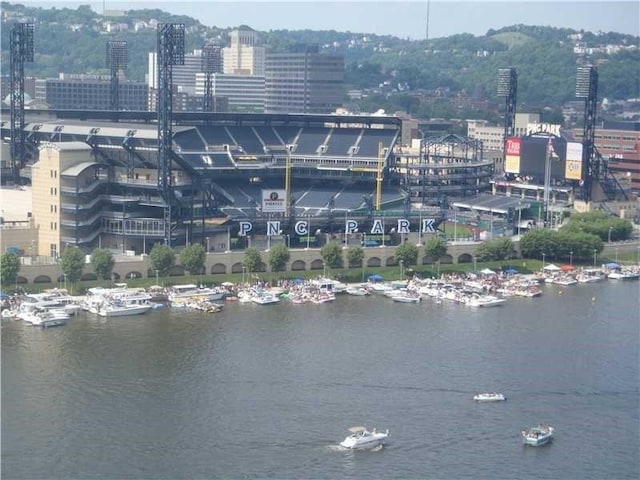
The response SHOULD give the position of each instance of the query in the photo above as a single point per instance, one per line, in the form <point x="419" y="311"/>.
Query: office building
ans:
<point x="244" y="56"/>
<point x="304" y="81"/>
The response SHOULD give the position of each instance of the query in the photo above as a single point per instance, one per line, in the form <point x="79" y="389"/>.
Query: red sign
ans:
<point x="513" y="146"/>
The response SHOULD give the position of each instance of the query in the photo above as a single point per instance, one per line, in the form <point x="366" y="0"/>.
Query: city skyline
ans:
<point x="403" y="19"/>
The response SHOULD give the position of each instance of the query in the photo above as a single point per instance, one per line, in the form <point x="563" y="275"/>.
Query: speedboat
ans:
<point x="489" y="397"/>
<point x="404" y="297"/>
<point x="537" y="436"/>
<point x="361" y="438"/>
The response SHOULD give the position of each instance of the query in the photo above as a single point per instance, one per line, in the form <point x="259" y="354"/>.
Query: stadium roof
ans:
<point x="492" y="203"/>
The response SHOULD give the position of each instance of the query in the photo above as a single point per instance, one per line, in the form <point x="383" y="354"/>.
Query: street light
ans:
<point x="543" y="261"/>
<point x="157" y="274"/>
<point x="401" y="265"/>
<point x="609" y="237"/>
<point x="244" y="269"/>
<point x="595" y="252"/>
<point x="475" y="264"/>
<point x="65" y="280"/>
<point x="616" y="254"/>
<point x="207" y="244"/>
<point x="571" y="259"/>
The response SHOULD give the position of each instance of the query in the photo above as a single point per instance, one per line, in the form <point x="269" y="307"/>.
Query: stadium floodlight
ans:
<point x="583" y="82"/>
<point x="211" y="58"/>
<point x="173" y="37"/>
<point x="117" y="54"/>
<point x="505" y="79"/>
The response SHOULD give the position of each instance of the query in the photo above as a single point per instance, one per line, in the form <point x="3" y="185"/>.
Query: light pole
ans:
<point x="65" y="281"/>
<point x="519" y="217"/>
<point x="207" y="244"/>
<point x="157" y="275"/>
<point x="475" y="264"/>
<point x="595" y="252"/>
<point x="616" y="255"/>
<point x="609" y="237"/>
<point x="244" y="269"/>
<point x="401" y="273"/>
<point x="543" y="260"/>
<point x="571" y="259"/>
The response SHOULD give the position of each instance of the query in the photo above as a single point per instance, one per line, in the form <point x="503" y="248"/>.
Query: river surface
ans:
<point x="262" y="392"/>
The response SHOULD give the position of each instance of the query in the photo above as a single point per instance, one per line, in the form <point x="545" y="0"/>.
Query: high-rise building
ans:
<point x="244" y="56"/>
<point x="243" y="93"/>
<point x="303" y="81"/>
<point x="89" y="92"/>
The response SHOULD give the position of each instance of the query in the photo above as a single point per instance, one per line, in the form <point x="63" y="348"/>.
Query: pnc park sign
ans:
<point x="378" y="227"/>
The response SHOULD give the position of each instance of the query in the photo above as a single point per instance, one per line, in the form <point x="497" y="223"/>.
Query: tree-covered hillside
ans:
<point x="73" y="41"/>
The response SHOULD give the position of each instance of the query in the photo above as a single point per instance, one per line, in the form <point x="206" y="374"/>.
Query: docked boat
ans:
<point x="484" y="301"/>
<point x="537" y="436"/>
<point x="357" y="291"/>
<point x="405" y="297"/>
<point x="126" y="305"/>
<point x="50" y="318"/>
<point x="489" y="397"/>
<point x="189" y="292"/>
<point x="361" y="438"/>
<point x="623" y="275"/>
<point x="265" y="298"/>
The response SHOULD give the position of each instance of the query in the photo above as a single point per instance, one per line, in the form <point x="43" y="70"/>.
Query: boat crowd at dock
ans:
<point x="485" y="288"/>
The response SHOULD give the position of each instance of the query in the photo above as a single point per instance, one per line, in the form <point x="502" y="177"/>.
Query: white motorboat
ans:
<point x="623" y="275"/>
<point x="127" y="305"/>
<point x="361" y="438"/>
<point x="489" y="397"/>
<point x="48" y="318"/>
<point x="122" y="310"/>
<point x="484" y="301"/>
<point x="264" y="298"/>
<point x="188" y="292"/>
<point x="357" y="291"/>
<point x="537" y="436"/>
<point x="405" y="297"/>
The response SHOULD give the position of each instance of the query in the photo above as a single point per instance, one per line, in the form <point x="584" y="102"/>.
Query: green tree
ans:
<point x="9" y="268"/>
<point x="72" y="263"/>
<point x="102" y="262"/>
<point x="278" y="257"/>
<point x="193" y="258"/>
<point x="355" y="256"/>
<point x="560" y="245"/>
<point x="496" y="249"/>
<point x="163" y="258"/>
<point x="435" y="248"/>
<point x="332" y="255"/>
<point x="253" y="260"/>
<point x="407" y="253"/>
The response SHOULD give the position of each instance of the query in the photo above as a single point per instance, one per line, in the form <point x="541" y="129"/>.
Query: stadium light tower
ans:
<point x="170" y="51"/>
<point x="21" y="51"/>
<point x="117" y="58"/>
<point x="211" y="62"/>
<point x="508" y="88"/>
<point x="587" y="88"/>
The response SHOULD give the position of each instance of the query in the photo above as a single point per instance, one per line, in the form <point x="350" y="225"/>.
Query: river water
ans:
<point x="269" y="391"/>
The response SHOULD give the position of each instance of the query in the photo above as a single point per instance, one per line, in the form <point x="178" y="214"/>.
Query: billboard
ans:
<point x="526" y="157"/>
<point x="573" y="169"/>
<point x="274" y="201"/>
<point x="512" y="158"/>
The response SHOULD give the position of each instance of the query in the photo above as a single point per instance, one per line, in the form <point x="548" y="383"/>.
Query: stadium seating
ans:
<point x="341" y="141"/>
<point x="371" y="138"/>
